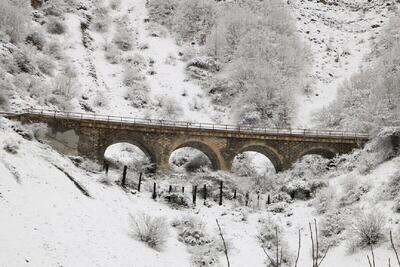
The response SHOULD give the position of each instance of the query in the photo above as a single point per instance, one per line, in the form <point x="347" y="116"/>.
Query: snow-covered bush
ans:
<point x="170" y="109"/>
<point x="46" y="64"/>
<point x="132" y="76"/>
<point x="124" y="38"/>
<point x="197" y="163"/>
<point x="36" y="39"/>
<point x="269" y="231"/>
<point x="137" y="95"/>
<point x="333" y="224"/>
<point x="177" y="199"/>
<point x="135" y="61"/>
<point x="352" y="191"/>
<point x="100" y="100"/>
<point x="151" y="230"/>
<point x="63" y="89"/>
<point x="193" y="20"/>
<point x="11" y="146"/>
<point x="393" y="186"/>
<point x="192" y="231"/>
<point x="101" y="19"/>
<point x="112" y="54"/>
<point x="162" y="11"/>
<point x="325" y="200"/>
<point x="115" y="4"/>
<point x="56" y="26"/>
<point x="54" y="50"/>
<point x="367" y="229"/>
<point x="105" y="179"/>
<point x="14" y="19"/>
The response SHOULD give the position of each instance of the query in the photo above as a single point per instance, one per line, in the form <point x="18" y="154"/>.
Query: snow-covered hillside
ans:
<point x="340" y="34"/>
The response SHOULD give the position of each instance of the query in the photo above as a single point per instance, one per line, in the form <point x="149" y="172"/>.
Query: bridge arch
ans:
<point x="269" y="152"/>
<point x="143" y="147"/>
<point x="204" y="148"/>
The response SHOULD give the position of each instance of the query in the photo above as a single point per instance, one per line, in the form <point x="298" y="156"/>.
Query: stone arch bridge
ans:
<point x="89" y="135"/>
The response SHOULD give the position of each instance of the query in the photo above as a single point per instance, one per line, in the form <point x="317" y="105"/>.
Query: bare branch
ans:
<point x="298" y="250"/>
<point x="394" y="248"/>
<point x="223" y="241"/>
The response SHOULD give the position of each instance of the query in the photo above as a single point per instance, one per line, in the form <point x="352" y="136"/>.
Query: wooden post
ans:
<point x="234" y="194"/>
<point x="205" y="192"/>
<point x="140" y="181"/>
<point x="220" y="193"/>
<point x="124" y="176"/>
<point x="183" y="189"/>
<point x="107" y="167"/>
<point x="154" y="191"/>
<point x="247" y="199"/>
<point x="194" y="194"/>
<point x="258" y="199"/>
<point x="170" y="189"/>
<point x="269" y="200"/>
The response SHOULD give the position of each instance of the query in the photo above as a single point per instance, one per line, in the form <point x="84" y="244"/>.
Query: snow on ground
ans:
<point x="339" y="36"/>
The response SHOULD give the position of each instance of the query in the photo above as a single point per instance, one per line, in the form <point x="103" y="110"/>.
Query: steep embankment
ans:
<point x="340" y="34"/>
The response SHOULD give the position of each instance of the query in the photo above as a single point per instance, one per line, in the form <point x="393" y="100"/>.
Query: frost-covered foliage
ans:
<point x="192" y="232"/>
<point x="11" y="146"/>
<point x="370" y="99"/>
<point x="197" y="163"/>
<point x="170" y="109"/>
<point x="101" y="19"/>
<point x="352" y="191"/>
<point x="55" y="25"/>
<point x="367" y="229"/>
<point x="162" y="11"/>
<point x="124" y="36"/>
<point x="270" y="235"/>
<point x="14" y="19"/>
<point x="151" y="230"/>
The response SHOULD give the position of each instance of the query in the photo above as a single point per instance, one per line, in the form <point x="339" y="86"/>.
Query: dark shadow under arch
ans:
<point x="320" y="151"/>
<point x="268" y="152"/>
<point x="212" y="156"/>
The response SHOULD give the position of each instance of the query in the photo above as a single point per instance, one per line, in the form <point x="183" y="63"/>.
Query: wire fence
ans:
<point x="245" y="129"/>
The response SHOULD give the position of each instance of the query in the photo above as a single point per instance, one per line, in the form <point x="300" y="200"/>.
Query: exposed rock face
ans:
<point x="37" y="3"/>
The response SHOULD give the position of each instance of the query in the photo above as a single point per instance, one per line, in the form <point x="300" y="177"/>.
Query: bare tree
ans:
<point x="278" y="257"/>
<point x="394" y="249"/>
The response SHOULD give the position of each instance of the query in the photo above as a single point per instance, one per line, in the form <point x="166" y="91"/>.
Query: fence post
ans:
<point x="140" y="181"/>
<point x="269" y="199"/>
<point x="234" y="194"/>
<point x="170" y="189"/>
<point x="183" y="189"/>
<point x="220" y="193"/>
<point x="154" y="196"/>
<point x="247" y="199"/>
<point x="124" y="176"/>
<point x="194" y="194"/>
<point x="107" y="167"/>
<point x="205" y="192"/>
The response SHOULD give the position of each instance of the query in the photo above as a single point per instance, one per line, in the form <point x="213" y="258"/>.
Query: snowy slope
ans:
<point x="339" y="34"/>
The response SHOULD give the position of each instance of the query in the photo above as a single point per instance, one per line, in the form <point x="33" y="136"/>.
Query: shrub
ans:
<point x="106" y="180"/>
<point x="393" y="186"/>
<point x="178" y="199"/>
<point x="54" y="49"/>
<point x="367" y="229"/>
<point x="36" y="39"/>
<point x="352" y="191"/>
<point x="197" y="163"/>
<point x="14" y="19"/>
<point x="115" y="4"/>
<point x="100" y="100"/>
<point x="151" y="230"/>
<point x="192" y="231"/>
<point x="170" y="109"/>
<point x="325" y="200"/>
<point x="11" y="146"/>
<point x="55" y="26"/>
<point x="101" y="19"/>
<point x="112" y="54"/>
<point x="46" y="65"/>
<point x="132" y="75"/>
<point x="123" y="38"/>
<point x="162" y="11"/>
<point x="333" y="224"/>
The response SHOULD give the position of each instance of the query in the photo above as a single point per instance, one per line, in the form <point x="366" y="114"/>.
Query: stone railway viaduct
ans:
<point x="89" y="135"/>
